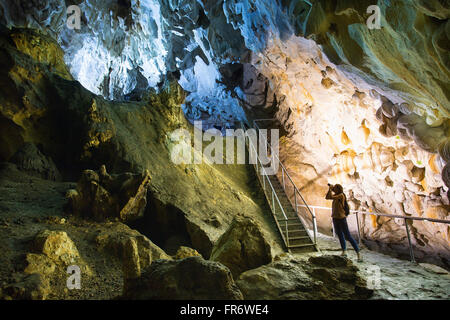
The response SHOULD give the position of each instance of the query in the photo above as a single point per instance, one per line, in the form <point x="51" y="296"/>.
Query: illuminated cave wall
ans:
<point x="376" y="120"/>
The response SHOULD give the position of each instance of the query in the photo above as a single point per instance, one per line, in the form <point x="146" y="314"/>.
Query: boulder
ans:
<point x="57" y="246"/>
<point x="242" y="247"/>
<point x="323" y="277"/>
<point x="189" y="279"/>
<point x="132" y="248"/>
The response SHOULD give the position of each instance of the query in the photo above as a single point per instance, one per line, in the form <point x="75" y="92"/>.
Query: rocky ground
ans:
<point x="399" y="279"/>
<point x="30" y="205"/>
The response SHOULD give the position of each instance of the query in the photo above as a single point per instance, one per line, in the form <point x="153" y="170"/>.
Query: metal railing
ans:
<point x="405" y="218"/>
<point x="273" y="198"/>
<point x="296" y="193"/>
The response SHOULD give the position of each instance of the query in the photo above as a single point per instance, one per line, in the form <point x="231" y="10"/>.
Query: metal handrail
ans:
<point x="406" y="218"/>
<point x="274" y="194"/>
<point x="296" y="190"/>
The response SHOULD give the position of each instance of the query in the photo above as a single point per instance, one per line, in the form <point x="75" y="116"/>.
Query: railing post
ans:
<point x="315" y="225"/>
<point x="411" y="250"/>
<point x="296" y="206"/>
<point x="273" y="202"/>
<point x="287" y="233"/>
<point x="359" y="230"/>
<point x="332" y="225"/>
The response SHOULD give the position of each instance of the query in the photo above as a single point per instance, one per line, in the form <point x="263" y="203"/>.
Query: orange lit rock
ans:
<point x="374" y="221"/>
<point x="417" y="204"/>
<point x="344" y="138"/>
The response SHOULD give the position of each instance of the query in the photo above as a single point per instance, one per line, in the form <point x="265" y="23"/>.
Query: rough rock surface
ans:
<point x="185" y="252"/>
<point x="29" y="206"/>
<point x="26" y="287"/>
<point x="408" y="54"/>
<point x="134" y="250"/>
<point x="188" y="279"/>
<point x="30" y="160"/>
<point x="57" y="246"/>
<point x="322" y="277"/>
<point x="101" y="196"/>
<point x="124" y="47"/>
<point x="242" y="247"/>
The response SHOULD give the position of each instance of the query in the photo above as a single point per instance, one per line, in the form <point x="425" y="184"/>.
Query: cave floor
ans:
<point x="398" y="279"/>
<point x="29" y="205"/>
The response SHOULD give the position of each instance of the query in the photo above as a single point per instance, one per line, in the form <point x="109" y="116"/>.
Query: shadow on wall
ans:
<point x="311" y="182"/>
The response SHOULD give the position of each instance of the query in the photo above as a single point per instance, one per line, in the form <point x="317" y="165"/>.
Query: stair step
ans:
<point x="290" y="225"/>
<point x="298" y="238"/>
<point x="300" y="245"/>
<point x="280" y="219"/>
<point x="287" y="213"/>
<point x="299" y="242"/>
<point x="289" y="218"/>
<point x="295" y="224"/>
<point x="295" y="232"/>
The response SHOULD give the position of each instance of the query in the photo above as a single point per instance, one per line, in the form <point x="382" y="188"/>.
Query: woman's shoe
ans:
<point x="344" y="254"/>
<point x="359" y="257"/>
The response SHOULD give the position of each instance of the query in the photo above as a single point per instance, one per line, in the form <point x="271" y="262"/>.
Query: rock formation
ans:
<point x="242" y="247"/>
<point x="29" y="159"/>
<point x="57" y="246"/>
<point x="101" y="196"/>
<point x="167" y="280"/>
<point x="134" y="250"/>
<point x="325" y="277"/>
<point x="185" y="252"/>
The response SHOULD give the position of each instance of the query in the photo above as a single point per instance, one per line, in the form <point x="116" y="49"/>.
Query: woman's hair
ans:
<point x="338" y="189"/>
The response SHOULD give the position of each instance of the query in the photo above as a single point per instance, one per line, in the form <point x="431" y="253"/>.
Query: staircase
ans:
<point x="295" y="235"/>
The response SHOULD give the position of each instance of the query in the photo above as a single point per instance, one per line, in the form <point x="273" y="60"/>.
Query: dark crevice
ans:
<point x="164" y="224"/>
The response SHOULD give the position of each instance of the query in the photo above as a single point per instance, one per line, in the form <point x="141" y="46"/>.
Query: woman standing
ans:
<point x="336" y="193"/>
